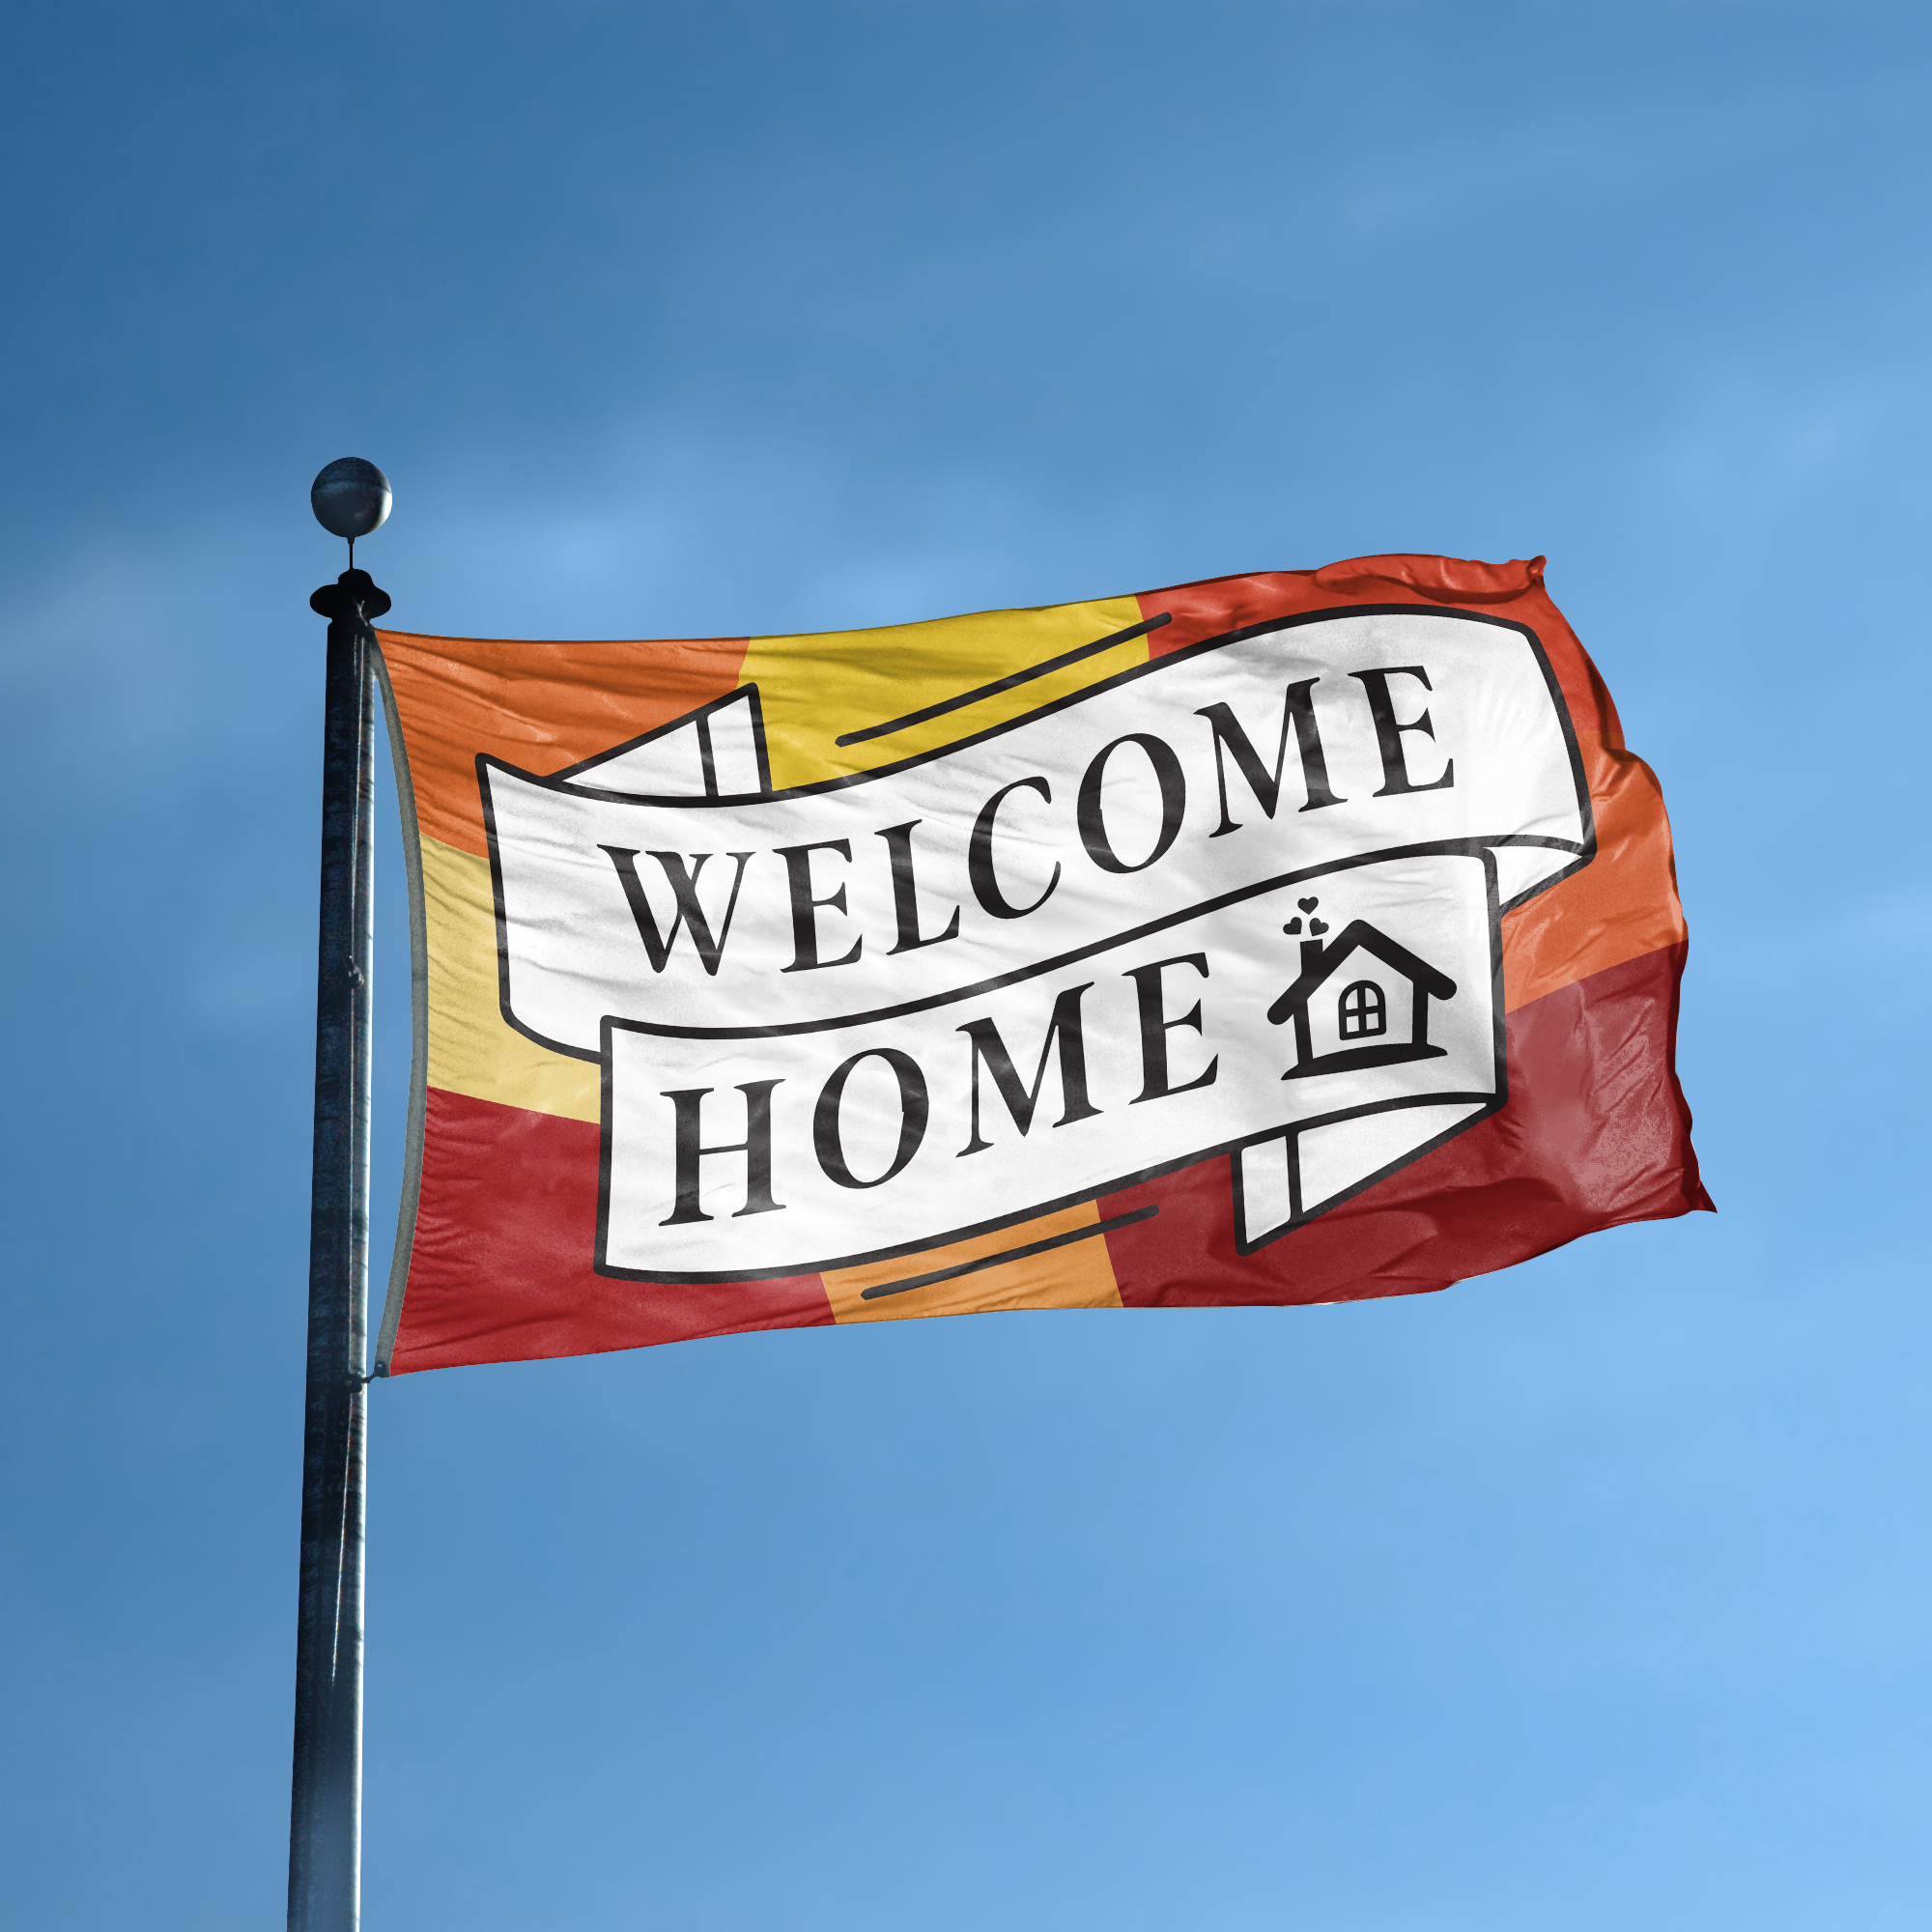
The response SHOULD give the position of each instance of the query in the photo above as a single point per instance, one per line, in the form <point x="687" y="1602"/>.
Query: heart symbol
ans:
<point x="1308" y="905"/>
<point x="1318" y="926"/>
<point x="1293" y="925"/>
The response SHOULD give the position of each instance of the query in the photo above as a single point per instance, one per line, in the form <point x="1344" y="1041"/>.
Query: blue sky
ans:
<point x="1594" y="1594"/>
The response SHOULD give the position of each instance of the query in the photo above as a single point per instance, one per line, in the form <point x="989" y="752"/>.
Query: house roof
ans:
<point x="1359" y="933"/>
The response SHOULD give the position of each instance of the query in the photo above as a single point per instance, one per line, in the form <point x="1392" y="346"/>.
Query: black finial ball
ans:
<point x="351" y="497"/>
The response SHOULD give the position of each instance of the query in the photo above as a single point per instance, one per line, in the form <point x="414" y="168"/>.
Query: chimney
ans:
<point x="1312" y="951"/>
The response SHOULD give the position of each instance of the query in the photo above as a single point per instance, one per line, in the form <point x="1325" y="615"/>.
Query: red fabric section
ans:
<point x="1221" y="604"/>
<point x="505" y="1234"/>
<point x="1595" y="1133"/>
<point x="1514" y="591"/>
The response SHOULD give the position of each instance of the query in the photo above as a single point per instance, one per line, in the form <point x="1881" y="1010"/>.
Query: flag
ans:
<point x="1297" y="937"/>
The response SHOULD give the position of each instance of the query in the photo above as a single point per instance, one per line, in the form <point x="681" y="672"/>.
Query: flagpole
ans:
<point x="351" y="497"/>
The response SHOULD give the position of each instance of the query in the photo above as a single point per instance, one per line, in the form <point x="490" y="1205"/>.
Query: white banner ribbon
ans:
<point x="1243" y="898"/>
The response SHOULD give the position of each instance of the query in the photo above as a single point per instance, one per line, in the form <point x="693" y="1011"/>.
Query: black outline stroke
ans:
<point x="1072" y="1234"/>
<point x="1000" y="684"/>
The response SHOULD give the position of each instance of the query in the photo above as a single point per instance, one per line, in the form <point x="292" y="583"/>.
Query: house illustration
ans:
<point x="1362" y="999"/>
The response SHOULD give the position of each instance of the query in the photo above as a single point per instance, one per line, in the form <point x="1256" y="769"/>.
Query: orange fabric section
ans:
<point x="1078" y="1275"/>
<point x="541" y="707"/>
<point x="1620" y="906"/>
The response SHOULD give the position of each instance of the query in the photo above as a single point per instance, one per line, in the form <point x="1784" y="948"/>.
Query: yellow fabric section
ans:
<point x="1078" y="1275"/>
<point x="472" y="1049"/>
<point x="814" y="688"/>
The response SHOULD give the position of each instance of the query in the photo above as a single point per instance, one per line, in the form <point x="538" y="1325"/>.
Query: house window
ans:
<point x="1362" y="1010"/>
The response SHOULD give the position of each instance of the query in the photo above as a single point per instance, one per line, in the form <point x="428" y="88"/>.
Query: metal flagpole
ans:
<point x="351" y="498"/>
